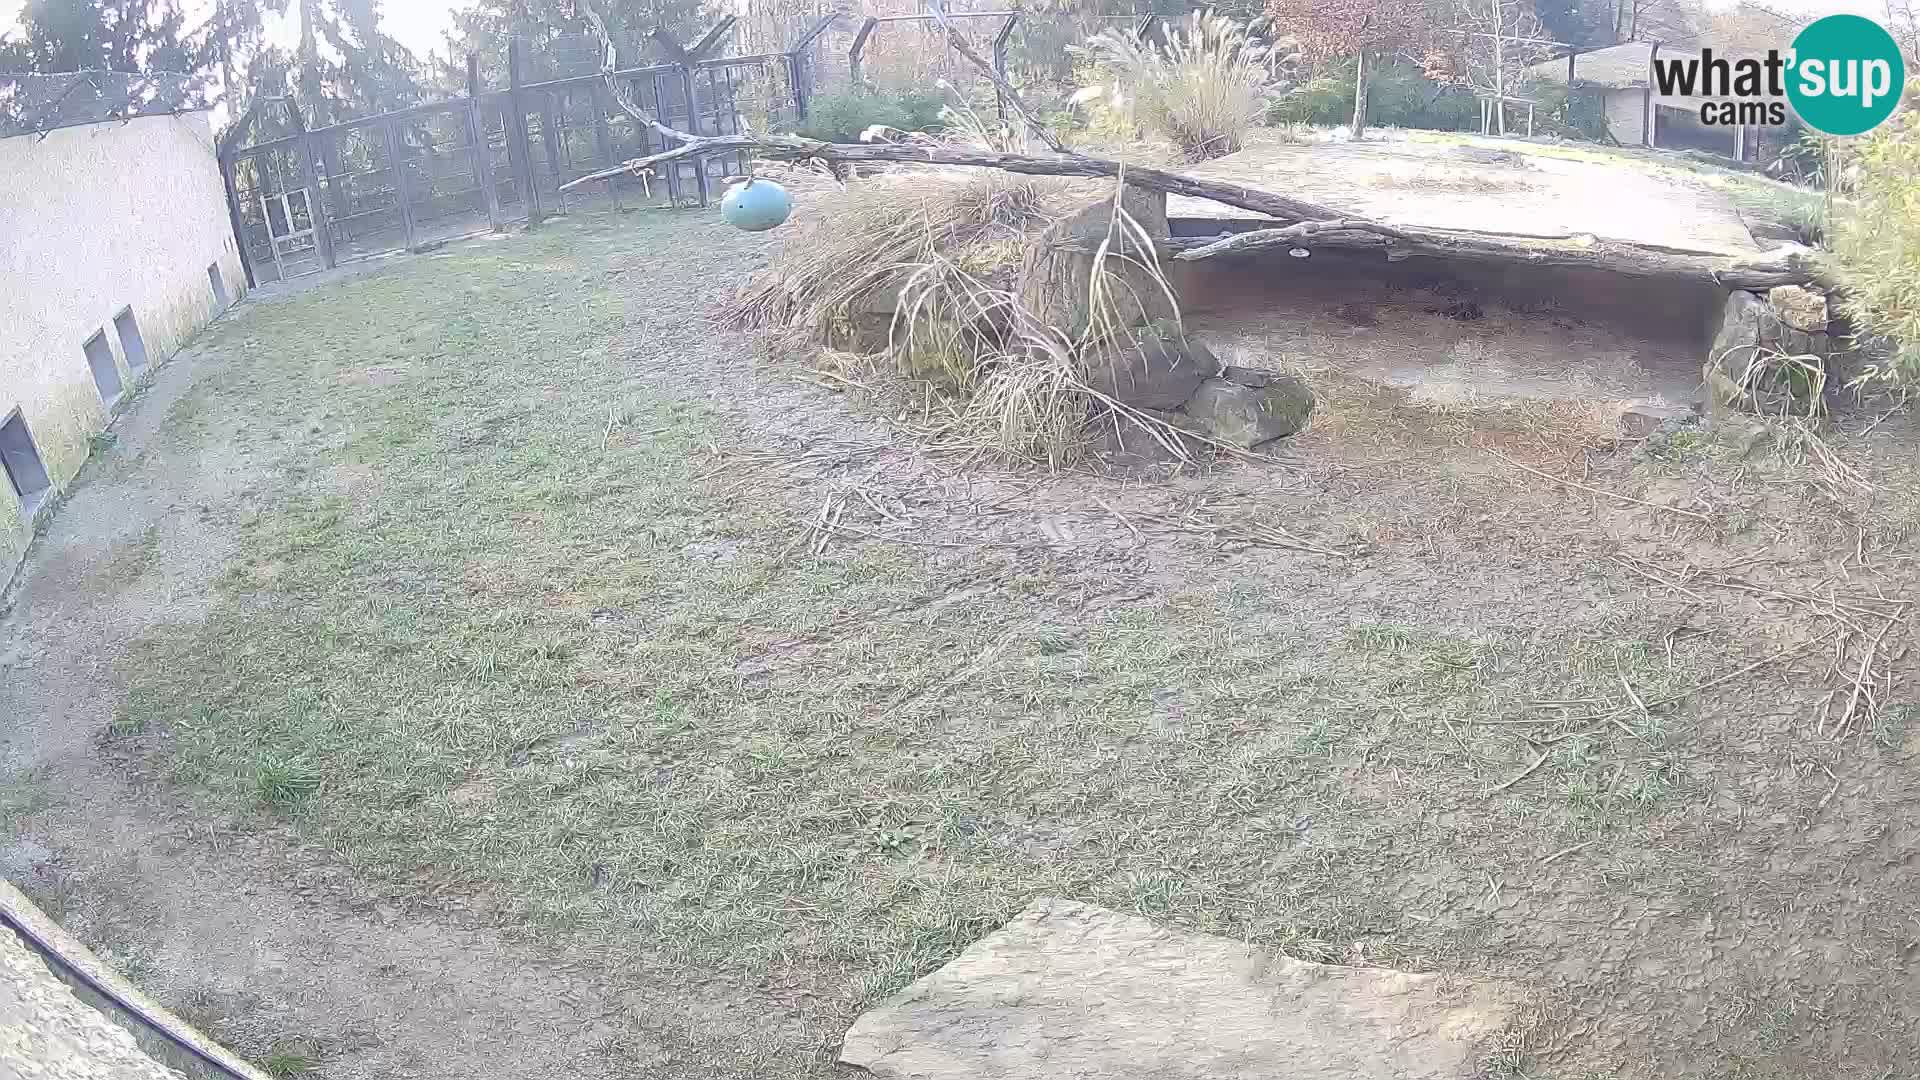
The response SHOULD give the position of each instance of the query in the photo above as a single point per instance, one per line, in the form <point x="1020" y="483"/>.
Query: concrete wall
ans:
<point x="1627" y="116"/>
<point x="95" y="219"/>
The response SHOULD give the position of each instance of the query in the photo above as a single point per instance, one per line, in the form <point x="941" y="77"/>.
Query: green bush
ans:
<point x="843" y="116"/>
<point x="1398" y="95"/>
<point x="1877" y="236"/>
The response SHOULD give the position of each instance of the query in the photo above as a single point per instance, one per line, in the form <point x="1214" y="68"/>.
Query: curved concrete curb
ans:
<point x="70" y="1005"/>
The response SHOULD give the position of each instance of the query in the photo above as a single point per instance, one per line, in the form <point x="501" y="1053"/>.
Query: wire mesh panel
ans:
<point x="442" y="174"/>
<point x="360" y="187"/>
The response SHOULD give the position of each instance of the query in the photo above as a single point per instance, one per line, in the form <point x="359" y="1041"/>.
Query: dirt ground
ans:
<point x="486" y="666"/>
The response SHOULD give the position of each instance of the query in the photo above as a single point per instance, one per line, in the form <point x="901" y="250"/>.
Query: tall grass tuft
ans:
<point x="1209" y="84"/>
<point x="1877" y="238"/>
<point x="944" y="253"/>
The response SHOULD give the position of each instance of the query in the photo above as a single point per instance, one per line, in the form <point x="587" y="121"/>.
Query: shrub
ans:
<point x="843" y="116"/>
<point x="1877" y="237"/>
<point x="1204" y="89"/>
<point x="1398" y="95"/>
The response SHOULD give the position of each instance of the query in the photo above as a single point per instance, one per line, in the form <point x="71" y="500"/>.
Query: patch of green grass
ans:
<point x="285" y="1064"/>
<point x="284" y="782"/>
<point x="23" y="793"/>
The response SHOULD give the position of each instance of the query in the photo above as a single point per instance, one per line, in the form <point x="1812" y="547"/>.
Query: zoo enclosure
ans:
<point x="415" y="178"/>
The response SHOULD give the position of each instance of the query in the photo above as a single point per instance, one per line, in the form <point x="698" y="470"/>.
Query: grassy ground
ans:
<point x="538" y="617"/>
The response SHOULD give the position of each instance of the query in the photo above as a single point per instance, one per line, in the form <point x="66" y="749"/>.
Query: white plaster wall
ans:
<point x="1627" y="116"/>
<point x="94" y="219"/>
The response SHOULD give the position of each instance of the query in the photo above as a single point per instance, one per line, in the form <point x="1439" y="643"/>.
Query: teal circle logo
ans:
<point x="1846" y="75"/>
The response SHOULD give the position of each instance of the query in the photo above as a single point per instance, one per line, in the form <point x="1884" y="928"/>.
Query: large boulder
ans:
<point x="1157" y="366"/>
<point x="1160" y="439"/>
<point x="1055" y="277"/>
<point x="1763" y="356"/>
<point x="1248" y="416"/>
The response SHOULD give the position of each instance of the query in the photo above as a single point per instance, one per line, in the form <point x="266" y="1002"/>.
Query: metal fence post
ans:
<point x="693" y="125"/>
<point x="481" y="144"/>
<point x="228" y="174"/>
<point x="402" y="190"/>
<point x="859" y="46"/>
<point x="519" y="147"/>
<point x="603" y="139"/>
<point x="1000" y="60"/>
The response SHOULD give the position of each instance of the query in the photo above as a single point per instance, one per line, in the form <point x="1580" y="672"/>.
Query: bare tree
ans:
<point x="1358" y="28"/>
<point x="1904" y="22"/>
<point x="1498" y="41"/>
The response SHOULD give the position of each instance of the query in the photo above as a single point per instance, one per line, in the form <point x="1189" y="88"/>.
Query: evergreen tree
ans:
<point x="484" y="28"/>
<point x="99" y="35"/>
<point x="346" y="67"/>
<point x="1587" y="23"/>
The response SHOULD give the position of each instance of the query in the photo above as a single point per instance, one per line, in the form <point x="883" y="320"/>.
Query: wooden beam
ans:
<point x="480" y="144"/>
<point x="712" y="38"/>
<point x="859" y="46"/>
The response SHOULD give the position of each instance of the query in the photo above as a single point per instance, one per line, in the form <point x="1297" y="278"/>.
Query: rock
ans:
<point x="1642" y="418"/>
<point x="1055" y="276"/>
<point x="1246" y="416"/>
<point x="1068" y="989"/>
<point x="1129" y="443"/>
<point x="1798" y="307"/>
<point x="1742" y="319"/>
<point x="1159" y="368"/>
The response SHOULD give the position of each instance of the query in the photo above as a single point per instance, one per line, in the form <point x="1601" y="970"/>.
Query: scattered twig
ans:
<point x="1860" y="680"/>
<point x="1632" y="694"/>
<point x="1568" y="851"/>
<point x="1122" y="519"/>
<point x="1599" y="491"/>
<point x="1528" y="771"/>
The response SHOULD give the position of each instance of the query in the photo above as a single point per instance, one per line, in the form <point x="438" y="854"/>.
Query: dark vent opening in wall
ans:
<point x="106" y="374"/>
<point x="219" y="286"/>
<point x="22" y="462"/>
<point x="132" y="345"/>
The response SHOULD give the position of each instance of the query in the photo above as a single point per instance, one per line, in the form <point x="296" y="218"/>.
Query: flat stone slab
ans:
<point x="1070" y="990"/>
<point x="1448" y="181"/>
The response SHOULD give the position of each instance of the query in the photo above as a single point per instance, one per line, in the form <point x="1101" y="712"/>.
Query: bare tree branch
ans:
<point x="1006" y="89"/>
<point x="795" y="148"/>
<point x="608" y="63"/>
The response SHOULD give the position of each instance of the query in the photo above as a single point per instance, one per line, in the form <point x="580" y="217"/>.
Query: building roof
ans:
<point x="35" y="104"/>
<point x="1626" y="66"/>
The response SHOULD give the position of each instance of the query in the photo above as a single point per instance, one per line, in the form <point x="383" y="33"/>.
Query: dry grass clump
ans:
<point x="856" y="257"/>
<point x="1877" y="240"/>
<point x="938" y="259"/>
<point x="1205" y="87"/>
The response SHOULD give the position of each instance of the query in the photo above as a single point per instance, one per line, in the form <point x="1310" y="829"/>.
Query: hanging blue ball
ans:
<point x="755" y="205"/>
